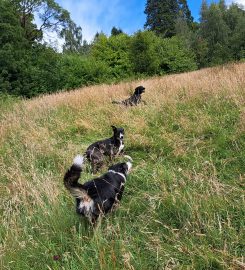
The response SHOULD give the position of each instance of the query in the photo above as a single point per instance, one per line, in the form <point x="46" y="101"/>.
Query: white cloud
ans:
<point x="240" y="2"/>
<point x="93" y="15"/>
<point x="101" y="15"/>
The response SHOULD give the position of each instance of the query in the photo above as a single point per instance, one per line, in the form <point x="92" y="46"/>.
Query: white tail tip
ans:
<point x="129" y="164"/>
<point x="78" y="160"/>
<point x="128" y="157"/>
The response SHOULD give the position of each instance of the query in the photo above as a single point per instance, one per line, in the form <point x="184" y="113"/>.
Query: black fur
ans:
<point x="110" y="147"/>
<point x="135" y="99"/>
<point x="102" y="193"/>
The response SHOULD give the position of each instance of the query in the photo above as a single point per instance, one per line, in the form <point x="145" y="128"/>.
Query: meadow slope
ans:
<point x="184" y="203"/>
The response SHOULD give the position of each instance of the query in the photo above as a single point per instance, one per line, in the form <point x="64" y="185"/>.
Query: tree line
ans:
<point x="170" y="43"/>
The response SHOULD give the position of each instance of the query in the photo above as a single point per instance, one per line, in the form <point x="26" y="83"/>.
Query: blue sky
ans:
<point x="101" y="15"/>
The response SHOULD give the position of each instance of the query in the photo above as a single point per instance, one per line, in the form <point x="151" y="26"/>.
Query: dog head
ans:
<point x="118" y="133"/>
<point x="123" y="167"/>
<point x="139" y="90"/>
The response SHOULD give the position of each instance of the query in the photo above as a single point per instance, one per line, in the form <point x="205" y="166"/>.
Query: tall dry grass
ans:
<point x="39" y="138"/>
<point x="226" y="80"/>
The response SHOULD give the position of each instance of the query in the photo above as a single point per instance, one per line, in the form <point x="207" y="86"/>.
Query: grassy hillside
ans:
<point x="184" y="204"/>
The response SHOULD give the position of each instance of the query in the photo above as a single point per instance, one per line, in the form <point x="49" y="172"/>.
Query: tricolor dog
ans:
<point x="98" y="196"/>
<point x="110" y="147"/>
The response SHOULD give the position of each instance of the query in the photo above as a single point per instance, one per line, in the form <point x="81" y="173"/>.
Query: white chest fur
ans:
<point x="121" y="146"/>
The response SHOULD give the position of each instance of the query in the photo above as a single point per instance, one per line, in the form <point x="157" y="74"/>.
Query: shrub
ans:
<point x="114" y="51"/>
<point x="175" y="57"/>
<point x="77" y="71"/>
<point x="144" y="53"/>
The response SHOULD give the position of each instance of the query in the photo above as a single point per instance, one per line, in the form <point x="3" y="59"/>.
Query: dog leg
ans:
<point x="96" y="165"/>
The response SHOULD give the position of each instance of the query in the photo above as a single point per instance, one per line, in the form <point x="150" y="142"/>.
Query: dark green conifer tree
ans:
<point x="161" y="16"/>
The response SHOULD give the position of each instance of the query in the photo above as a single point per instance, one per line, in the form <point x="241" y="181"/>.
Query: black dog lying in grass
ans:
<point x="110" y="147"/>
<point x="135" y="99"/>
<point x="100" y="195"/>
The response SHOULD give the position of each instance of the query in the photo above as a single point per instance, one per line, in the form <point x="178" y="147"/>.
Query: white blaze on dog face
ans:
<point x="118" y="132"/>
<point x="121" y="135"/>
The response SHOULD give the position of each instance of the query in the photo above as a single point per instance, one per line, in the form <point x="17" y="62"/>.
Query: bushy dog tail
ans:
<point x="71" y="178"/>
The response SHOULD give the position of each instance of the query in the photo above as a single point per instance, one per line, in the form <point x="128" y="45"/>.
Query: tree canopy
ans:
<point x="161" y="16"/>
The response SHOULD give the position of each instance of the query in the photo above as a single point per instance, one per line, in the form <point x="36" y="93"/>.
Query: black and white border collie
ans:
<point x="100" y="195"/>
<point x="135" y="99"/>
<point x="110" y="147"/>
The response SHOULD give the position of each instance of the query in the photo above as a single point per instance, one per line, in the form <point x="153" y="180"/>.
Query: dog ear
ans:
<point x="136" y="91"/>
<point x="114" y="128"/>
<point x="139" y="90"/>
